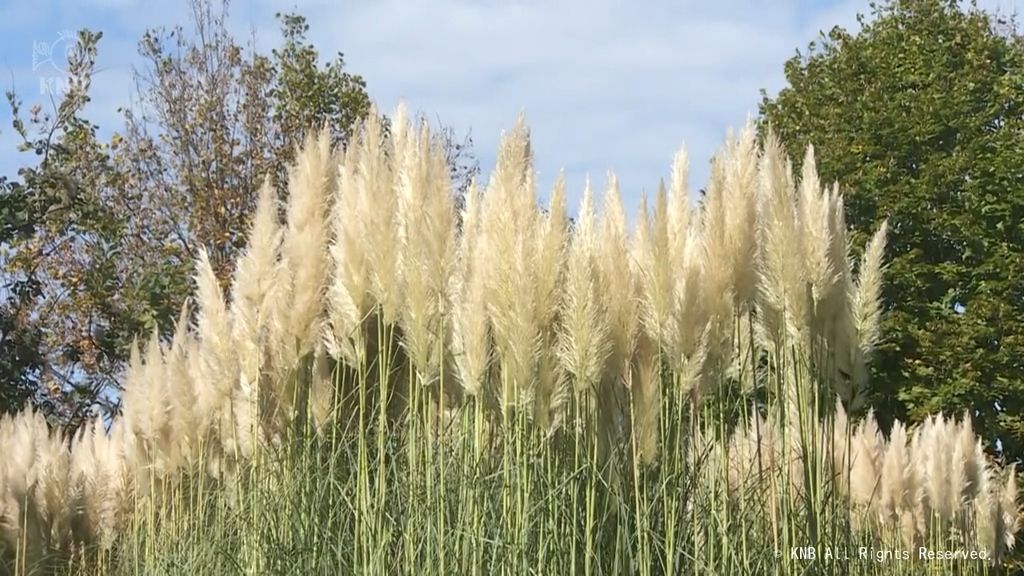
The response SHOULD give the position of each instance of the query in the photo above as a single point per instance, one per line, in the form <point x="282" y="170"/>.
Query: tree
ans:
<point x="58" y="243"/>
<point x="102" y="235"/>
<point x="920" y="119"/>
<point x="216" y="118"/>
<point x="99" y="237"/>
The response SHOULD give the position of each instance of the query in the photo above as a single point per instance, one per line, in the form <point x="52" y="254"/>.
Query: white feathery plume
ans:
<point x="692" y="328"/>
<point x="134" y="395"/>
<point x="933" y="452"/>
<point x="969" y="449"/>
<point x="51" y="491"/>
<point x="183" y="398"/>
<point x="678" y="204"/>
<point x="641" y="254"/>
<point x="988" y="514"/>
<point x="427" y="236"/>
<point x="146" y="410"/>
<point x="1010" y="509"/>
<point x="656" y="272"/>
<point x="618" y="288"/>
<point x="865" y="457"/>
<point x="716" y="289"/>
<point x="254" y="290"/>
<point x="349" y="299"/>
<point x="783" y="295"/>
<point x="155" y="433"/>
<point x="813" y="218"/>
<point x="18" y="436"/>
<point x="510" y="223"/>
<point x="898" y="492"/>
<point x="741" y="223"/>
<point x="584" y="339"/>
<point x="298" y="321"/>
<point x="35" y="495"/>
<point x="365" y="246"/>
<point x="373" y="211"/>
<point x="471" y="332"/>
<point x="848" y="373"/>
<point x="646" y="397"/>
<point x="867" y="300"/>
<point x="549" y="263"/>
<point x="304" y="258"/>
<point x="686" y="265"/>
<point x="98" y="471"/>
<point x="216" y="366"/>
<point x="550" y="255"/>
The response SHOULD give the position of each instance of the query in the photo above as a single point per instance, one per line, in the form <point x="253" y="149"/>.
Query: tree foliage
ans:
<point x="59" y="244"/>
<point x="215" y="119"/>
<point x="99" y="234"/>
<point x="920" y="118"/>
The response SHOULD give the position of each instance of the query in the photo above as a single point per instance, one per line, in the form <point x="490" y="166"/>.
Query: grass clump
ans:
<point x="395" y="385"/>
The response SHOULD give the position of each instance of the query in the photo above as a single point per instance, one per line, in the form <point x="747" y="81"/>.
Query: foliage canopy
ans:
<point x="920" y="118"/>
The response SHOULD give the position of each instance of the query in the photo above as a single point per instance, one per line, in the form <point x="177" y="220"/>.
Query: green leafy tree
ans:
<point x="59" y="242"/>
<point x="920" y="119"/>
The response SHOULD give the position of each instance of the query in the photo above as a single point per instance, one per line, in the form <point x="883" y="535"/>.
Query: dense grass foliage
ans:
<point x="918" y="112"/>
<point x="394" y="386"/>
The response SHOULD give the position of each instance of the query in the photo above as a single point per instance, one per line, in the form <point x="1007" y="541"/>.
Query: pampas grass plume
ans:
<point x="867" y="300"/>
<point x="584" y="336"/>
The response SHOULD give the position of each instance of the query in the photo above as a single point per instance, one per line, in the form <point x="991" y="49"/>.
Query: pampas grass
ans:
<point x="471" y="336"/>
<point x="390" y="385"/>
<point x="427" y="237"/>
<point x="585" y="336"/>
<point x="510" y="223"/>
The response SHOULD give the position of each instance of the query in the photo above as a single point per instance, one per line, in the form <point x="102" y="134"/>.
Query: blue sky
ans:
<point x="605" y="85"/>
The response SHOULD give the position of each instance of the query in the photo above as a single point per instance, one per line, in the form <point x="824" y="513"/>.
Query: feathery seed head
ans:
<point x="304" y="256"/>
<point x="867" y="300"/>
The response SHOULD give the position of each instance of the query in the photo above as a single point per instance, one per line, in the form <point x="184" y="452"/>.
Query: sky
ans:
<point x="605" y="85"/>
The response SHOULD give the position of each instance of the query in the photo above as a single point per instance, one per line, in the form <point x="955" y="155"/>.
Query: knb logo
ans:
<point x="52" y="57"/>
<point x="55" y="54"/>
<point x="803" y="553"/>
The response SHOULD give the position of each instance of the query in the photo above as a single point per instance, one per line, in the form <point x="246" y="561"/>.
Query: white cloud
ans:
<point x="605" y="84"/>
